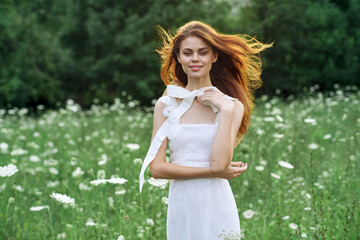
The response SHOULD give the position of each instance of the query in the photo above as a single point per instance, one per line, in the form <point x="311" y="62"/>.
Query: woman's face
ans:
<point x="196" y="57"/>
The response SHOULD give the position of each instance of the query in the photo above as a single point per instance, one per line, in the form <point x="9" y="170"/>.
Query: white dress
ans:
<point x="201" y="208"/>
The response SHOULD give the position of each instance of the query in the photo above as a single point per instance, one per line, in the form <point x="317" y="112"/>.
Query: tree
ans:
<point x="27" y="69"/>
<point x="313" y="44"/>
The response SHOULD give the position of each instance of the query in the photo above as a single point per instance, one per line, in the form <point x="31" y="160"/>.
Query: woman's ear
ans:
<point x="178" y="58"/>
<point x="215" y="57"/>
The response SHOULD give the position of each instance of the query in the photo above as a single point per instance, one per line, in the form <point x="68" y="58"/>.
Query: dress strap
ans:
<point x="154" y="148"/>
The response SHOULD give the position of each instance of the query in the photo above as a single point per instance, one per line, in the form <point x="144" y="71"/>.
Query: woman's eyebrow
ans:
<point x="203" y="48"/>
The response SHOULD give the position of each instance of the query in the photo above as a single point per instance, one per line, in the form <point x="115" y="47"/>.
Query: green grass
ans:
<point x="319" y="196"/>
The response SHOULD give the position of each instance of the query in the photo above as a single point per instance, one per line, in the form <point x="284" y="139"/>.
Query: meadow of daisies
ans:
<point x="73" y="173"/>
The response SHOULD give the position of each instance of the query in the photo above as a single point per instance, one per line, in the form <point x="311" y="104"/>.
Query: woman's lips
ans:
<point x="195" y="68"/>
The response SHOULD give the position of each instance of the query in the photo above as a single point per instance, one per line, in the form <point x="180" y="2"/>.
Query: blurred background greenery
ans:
<point x="52" y="50"/>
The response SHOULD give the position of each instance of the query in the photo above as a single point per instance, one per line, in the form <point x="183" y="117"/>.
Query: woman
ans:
<point x="203" y="116"/>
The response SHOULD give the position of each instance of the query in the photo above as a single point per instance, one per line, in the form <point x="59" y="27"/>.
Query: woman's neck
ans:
<point x="198" y="83"/>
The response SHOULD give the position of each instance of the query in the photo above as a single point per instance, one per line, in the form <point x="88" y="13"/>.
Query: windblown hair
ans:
<point x="236" y="72"/>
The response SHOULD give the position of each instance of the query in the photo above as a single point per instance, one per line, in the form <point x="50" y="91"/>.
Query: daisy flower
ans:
<point x="111" y="180"/>
<point x="275" y="176"/>
<point x="63" y="198"/>
<point x="286" y="165"/>
<point x="8" y="170"/>
<point x="248" y="214"/>
<point x="38" y="208"/>
<point x="133" y="146"/>
<point x="157" y="182"/>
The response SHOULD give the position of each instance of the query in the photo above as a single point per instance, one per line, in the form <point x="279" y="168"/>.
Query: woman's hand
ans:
<point x="234" y="170"/>
<point x="214" y="97"/>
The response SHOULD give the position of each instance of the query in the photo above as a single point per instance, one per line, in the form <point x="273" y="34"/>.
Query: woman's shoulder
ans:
<point x="232" y="101"/>
<point x="166" y="104"/>
<point x="166" y="100"/>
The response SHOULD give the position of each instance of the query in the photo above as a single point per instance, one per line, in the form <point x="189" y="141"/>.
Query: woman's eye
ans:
<point x="187" y="53"/>
<point x="203" y="53"/>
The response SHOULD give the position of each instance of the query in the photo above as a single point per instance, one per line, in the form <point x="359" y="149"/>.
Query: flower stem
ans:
<point x="3" y="200"/>
<point x="6" y="218"/>
<point x="51" y="227"/>
<point x="314" y="196"/>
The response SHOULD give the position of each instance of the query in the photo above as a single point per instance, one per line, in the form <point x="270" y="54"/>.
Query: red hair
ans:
<point x="236" y="72"/>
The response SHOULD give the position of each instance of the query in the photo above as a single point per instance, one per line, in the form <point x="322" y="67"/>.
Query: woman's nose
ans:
<point x="195" y="57"/>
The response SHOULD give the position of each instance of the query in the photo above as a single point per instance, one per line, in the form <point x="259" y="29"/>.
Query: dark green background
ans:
<point x="51" y="51"/>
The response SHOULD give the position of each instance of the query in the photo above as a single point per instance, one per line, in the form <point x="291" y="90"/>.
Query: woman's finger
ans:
<point x="243" y="168"/>
<point x="211" y="90"/>
<point x="235" y="163"/>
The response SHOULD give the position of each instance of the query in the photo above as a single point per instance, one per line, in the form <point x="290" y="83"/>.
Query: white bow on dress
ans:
<point x="162" y="133"/>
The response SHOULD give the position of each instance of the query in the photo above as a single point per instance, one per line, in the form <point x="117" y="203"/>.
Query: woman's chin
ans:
<point x="196" y="76"/>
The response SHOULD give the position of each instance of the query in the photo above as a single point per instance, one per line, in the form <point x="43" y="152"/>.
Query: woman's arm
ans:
<point x="159" y="168"/>
<point x="229" y="123"/>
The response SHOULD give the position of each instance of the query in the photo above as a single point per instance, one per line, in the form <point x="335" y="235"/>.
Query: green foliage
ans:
<point x="113" y="47"/>
<point x="85" y="49"/>
<point x="28" y="72"/>
<point x="316" y="42"/>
